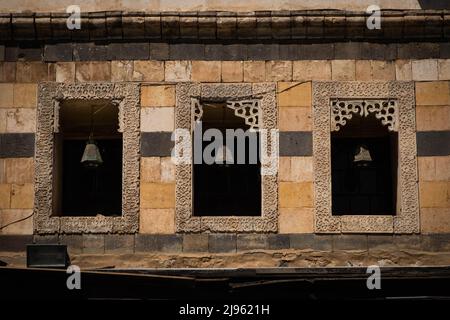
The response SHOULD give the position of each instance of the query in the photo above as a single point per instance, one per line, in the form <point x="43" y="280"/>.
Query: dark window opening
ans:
<point x="227" y="189"/>
<point x="83" y="190"/>
<point x="364" y="168"/>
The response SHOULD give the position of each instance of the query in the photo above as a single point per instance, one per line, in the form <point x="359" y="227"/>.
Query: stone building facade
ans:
<point x="305" y="70"/>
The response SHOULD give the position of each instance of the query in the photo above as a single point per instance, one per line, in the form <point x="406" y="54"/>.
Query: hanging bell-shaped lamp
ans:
<point x="91" y="156"/>
<point x="224" y="155"/>
<point x="362" y="156"/>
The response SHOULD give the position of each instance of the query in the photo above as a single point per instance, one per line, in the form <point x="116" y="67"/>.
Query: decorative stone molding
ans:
<point x="342" y="111"/>
<point x="338" y="25"/>
<point x="393" y="103"/>
<point x="126" y="97"/>
<point x="257" y="98"/>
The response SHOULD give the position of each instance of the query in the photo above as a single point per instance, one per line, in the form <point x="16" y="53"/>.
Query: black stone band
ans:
<point x="16" y="145"/>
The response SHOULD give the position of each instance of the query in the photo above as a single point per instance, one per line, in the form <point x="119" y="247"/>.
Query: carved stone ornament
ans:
<point x="50" y="95"/>
<point x="334" y="103"/>
<point x="256" y="103"/>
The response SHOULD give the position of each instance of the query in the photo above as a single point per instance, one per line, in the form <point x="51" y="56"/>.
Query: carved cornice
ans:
<point x="411" y="25"/>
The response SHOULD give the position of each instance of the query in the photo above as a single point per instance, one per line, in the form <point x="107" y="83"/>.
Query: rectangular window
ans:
<point x="88" y="162"/>
<point x="364" y="168"/>
<point x="231" y="186"/>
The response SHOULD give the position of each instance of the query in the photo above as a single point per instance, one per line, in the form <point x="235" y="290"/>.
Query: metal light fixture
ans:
<point x="91" y="156"/>
<point x="224" y="156"/>
<point x="362" y="156"/>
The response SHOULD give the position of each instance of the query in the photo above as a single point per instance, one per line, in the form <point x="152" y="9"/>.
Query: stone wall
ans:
<point x="158" y="78"/>
<point x="159" y="65"/>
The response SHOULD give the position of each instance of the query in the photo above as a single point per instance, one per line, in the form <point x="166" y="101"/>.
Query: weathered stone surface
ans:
<point x="349" y="242"/>
<point x="15" y="243"/>
<point x="343" y="70"/>
<point x="25" y="95"/>
<point x="295" y="143"/>
<point x="58" y="52"/>
<point x="433" y="143"/>
<point x="5" y="196"/>
<point x="301" y="169"/>
<point x="92" y="71"/>
<point x="89" y="52"/>
<point x="383" y="70"/>
<point x="443" y="168"/>
<point x="74" y="242"/>
<point x="296" y="220"/>
<point x="15" y="145"/>
<point x="178" y="71"/>
<point x="278" y="70"/>
<point x="24" y="226"/>
<point x="311" y="241"/>
<point x="251" y="242"/>
<point x="161" y="243"/>
<point x="220" y="242"/>
<point x="444" y="69"/>
<point x="363" y="70"/>
<point x="260" y="51"/>
<point x="21" y="120"/>
<point x="187" y="51"/>
<point x="150" y="169"/>
<point x="93" y="243"/>
<point x="436" y="242"/>
<point x="6" y="95"/>
<point x="296" y="194"/>
<point x="122" y="70"/>
<point x="148" y="70"/>
<point x="232" y="71"/>
<point x="196" y="242"/>
<point x="7" y="71"/>
<point x="156" y="144"/>
<point x="157" y="221"/>
<point x="206" y="71"/>
<point x="425" y="70"/>
<point x="157" y="119"/>
<point x="434" y="194"/>
<point x="65" y="72"/>
<point x="403" y="70"/>
<point x="295" y="119"/>
<point x="19" y="170"/>
<point x="433" y="93"/>
<point x="157" y="195"/>
<point x="294" y="94"/>
<point x="433" y="118"/>
<point x="316" y="51"/>
<point x="380" y="242"/>
<point x="308" y="70"/>
<point x="119" y="243"/>
<point x="158" y="96"/>
<point x="435" y="220"/>
<point x="128" y="51"/>
<point x="31" y="72"/>
<point x="167" y="170"/>
<point x="159" y="51"/>
<point x="427" y="168"/>
<point x="254" y="71"/>
<point x="46" y="239"/>
<point x="278" y="241"/>
<point x="22" y="196"/>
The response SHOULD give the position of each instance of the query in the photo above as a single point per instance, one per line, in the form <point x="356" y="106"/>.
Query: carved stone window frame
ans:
<point x="406" y="219"/>
<point x="188" y="98"/>
<point x="126" y="97"/>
